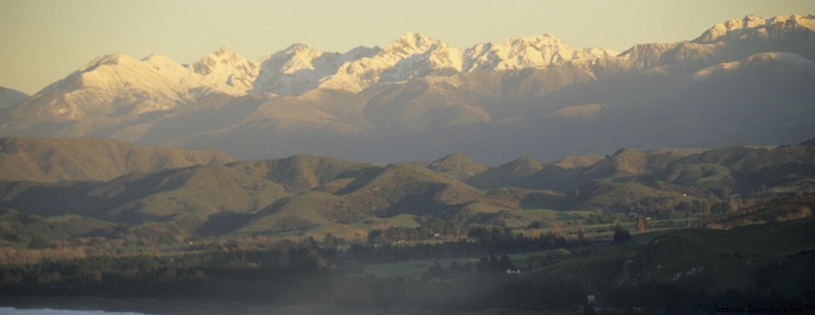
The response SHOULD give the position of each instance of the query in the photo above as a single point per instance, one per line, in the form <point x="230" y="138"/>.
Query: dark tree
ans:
<point x="621" y="235"/>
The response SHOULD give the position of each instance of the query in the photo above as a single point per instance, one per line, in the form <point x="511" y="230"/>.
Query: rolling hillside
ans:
<point x="77" y="159"/>
<point x="310" y="195"/>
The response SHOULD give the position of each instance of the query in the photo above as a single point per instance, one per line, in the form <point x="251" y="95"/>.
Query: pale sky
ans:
<point x="42" y="41"/>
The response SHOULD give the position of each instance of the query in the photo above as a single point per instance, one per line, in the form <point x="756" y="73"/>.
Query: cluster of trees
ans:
<point x="267" y="276"/>
<point x="695" y="212"/>
<point x="369" y="254"/>
<point x="495" y="240"/>
<point x="665" y="208"/>
<point x="481" y="241"/>
<point x="430" y="229"/>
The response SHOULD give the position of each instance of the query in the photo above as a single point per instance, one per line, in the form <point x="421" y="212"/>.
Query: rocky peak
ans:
<point x="409" y="44"/>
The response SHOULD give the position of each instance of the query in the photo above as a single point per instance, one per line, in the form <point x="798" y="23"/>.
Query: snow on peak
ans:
<point x="299" y="49"/>
<point x="546" y="39"/>
<point x="526" y="52"/>
<point x="412" y="54"/>
<point x="409" y="44"/>
<point x="737" y="28"/>
<point x="226" y="71"/>
<point x="112" y="59"/>
<point x="415" y="55"/>
<point x="292" y="59"/>
<point x="733" y="27"/>
<point x="299" y="68"/>
<point x="223" y="50"/>
<point x="160" y="60"/>
<point x="218" y="60"/>
<point x="362" y="51"/>
<point x="120" y="84"/>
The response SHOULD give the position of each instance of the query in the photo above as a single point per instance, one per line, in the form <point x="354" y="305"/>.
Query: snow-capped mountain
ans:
<point x="159" y="83"/>
<point x="752" y="25"/>
<point x="415" y="55"/>
<point x="119" y="85"/>
<point x="300" y="68"/>
<point x="411" y="55"/>
<point x="732" y="40"/>
<point x="526" y="52"/>
<point x="116" y="85"/>
<point x="742" y="81"/>
<point x="225" y="71"/>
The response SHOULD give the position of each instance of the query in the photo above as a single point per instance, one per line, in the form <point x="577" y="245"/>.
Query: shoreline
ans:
<point x="186" y="307"/>
<point x="144" y="306"/>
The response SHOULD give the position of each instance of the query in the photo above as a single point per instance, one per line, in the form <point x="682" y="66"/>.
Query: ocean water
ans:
<point x="48" y="311"/>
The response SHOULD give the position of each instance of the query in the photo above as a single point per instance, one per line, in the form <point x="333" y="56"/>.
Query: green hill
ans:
<point x="40" y="159"/>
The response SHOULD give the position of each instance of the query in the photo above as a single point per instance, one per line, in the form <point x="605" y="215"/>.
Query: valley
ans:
<point x="517" y="176"/>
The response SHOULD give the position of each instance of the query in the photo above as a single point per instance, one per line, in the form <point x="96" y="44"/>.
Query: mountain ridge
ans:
<point x="417" y="98"/>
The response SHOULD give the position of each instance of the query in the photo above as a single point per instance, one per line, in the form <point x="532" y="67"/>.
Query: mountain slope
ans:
<point x="457" y="166"/>
<point x="33" y="159"/>
<point x="9" y="97"/>
<point x="296" y="173"/>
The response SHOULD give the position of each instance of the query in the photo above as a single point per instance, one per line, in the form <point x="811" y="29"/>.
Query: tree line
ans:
<point x="311" y="272"/>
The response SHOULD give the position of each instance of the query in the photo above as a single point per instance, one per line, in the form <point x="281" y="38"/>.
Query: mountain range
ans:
<point x="742" y="81"/>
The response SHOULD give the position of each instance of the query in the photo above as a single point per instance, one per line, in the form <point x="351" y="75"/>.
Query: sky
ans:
<point x="43" y="41"/>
